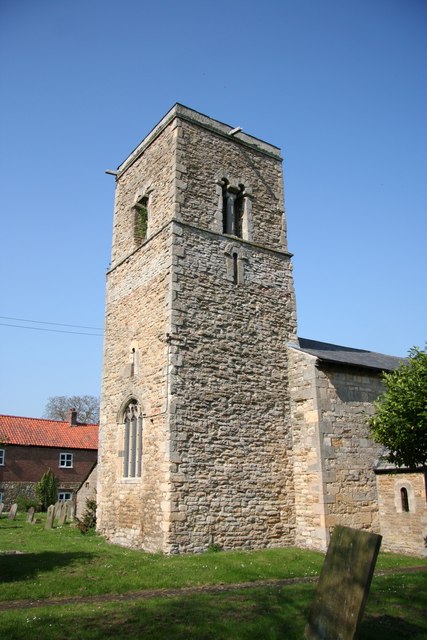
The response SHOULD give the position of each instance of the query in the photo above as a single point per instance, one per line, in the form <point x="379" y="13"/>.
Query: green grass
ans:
<point x="62" y="562"/>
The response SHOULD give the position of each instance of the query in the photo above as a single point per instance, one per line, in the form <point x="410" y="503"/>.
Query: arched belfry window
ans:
<point x="132" y="440"/>
<point x="233" y="208"/>
<point x="404" y="499"/>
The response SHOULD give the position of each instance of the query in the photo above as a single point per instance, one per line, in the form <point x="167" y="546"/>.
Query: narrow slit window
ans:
<point x="239" y="209"/>
<point x="141" y="220"/>
<point x="404" y="499"/>
<point x="235" y="268"/>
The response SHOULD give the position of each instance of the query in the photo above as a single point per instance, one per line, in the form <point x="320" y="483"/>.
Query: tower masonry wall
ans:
<point x="204" y="158"/>
<point x="151" y="174"/>
<point x="130" y="510"/>
<point x="232" y="482"/>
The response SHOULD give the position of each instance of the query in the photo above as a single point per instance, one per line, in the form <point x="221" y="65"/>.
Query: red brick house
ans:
<point x="31" y="446"/>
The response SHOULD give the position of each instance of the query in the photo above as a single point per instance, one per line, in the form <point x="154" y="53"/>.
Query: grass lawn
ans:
<point x="62" y="562"/>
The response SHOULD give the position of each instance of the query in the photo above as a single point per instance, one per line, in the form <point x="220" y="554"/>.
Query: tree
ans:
<point x="47" y="490"/>
<point x="87" y="408"/>
<point x="400" y="421"/>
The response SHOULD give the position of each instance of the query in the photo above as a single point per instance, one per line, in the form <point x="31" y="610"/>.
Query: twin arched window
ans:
<point x="233" y="208"/>
<point x="132" y="440"/>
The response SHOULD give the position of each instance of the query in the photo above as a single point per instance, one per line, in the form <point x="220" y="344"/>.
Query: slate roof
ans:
<point x="38" y="432"/>
<point x="327" y="352"/>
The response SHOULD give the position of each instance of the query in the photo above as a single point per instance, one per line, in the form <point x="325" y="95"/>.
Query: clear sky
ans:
<point x="339" y="85"/>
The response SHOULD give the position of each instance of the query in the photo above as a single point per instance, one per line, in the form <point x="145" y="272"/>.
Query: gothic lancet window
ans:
<point x="132" y="444"/>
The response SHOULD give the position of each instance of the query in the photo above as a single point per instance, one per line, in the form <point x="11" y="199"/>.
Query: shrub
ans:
<point x="24" y="503"/>
<point x="47" y="490"/>
<point x="89" y="517"/>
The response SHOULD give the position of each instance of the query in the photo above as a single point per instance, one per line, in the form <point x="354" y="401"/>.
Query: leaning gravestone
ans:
<point x="339" y="602"/>
<point x="57" y="509"/>
<point x="30" y="514"/>
<point x="1" y="507"/>
<point x="71" y="510"/>
<point x="50" y="516"/>
<point x="12" y="512"/>
<point x="62" y="514"/>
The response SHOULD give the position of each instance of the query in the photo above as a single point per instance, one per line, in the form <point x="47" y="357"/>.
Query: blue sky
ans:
<point x="340" y="86"/>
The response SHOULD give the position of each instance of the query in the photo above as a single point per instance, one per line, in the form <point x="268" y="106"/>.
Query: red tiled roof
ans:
<point x="37" y="432"/>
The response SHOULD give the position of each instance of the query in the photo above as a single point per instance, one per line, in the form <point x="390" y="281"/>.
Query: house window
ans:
<point x="404" y="499"/>
<point x="132" y="442"/>
<point x="63" y="496"/>
<point x="140" y="223"/>
<point x="1" y="457"/>
<point x="65" y="460"/>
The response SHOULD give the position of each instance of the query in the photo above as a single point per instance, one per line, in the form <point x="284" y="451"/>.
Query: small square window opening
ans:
<point x="66" y="460"/>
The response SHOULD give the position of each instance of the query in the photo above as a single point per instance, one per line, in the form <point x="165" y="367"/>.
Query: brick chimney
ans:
<point x="72" y="417"/>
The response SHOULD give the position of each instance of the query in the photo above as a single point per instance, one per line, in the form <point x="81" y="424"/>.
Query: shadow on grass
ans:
<point x="387" y="627"/>
<point x="25" y="566"/>
<point x="265" y="614"/>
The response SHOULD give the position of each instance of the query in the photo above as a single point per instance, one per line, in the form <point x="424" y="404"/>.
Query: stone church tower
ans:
<point x="195" y="435"/>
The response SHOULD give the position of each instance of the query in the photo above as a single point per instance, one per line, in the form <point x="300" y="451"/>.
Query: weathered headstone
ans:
<point x="62" y="514"/>
<point x="71" y="510"/>
<point x="30" y="514"/>
<point x="343" y="586"/>
<point x="12" y="512"/>
<point x="50" y="516"/>
<point x="57" y="508"/>
<point x="1" y="507"/>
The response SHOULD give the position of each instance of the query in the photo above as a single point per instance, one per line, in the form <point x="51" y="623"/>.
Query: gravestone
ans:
<point x="30" y="514"/>
<point x="339" y="602"/>
<point x="50" y="516"/>
<point x="71" y="510"/>
<point x="57" y="508"/>
<point x="1" y="507"/>
<point x="12" y="512"/>
<point x="62" y="514"/>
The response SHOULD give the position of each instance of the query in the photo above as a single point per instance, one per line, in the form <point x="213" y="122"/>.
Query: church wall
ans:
<point x="333" y="453"/>
<point x="130" y="510"/>
<point x="230" y="414"/>
<point x="403" y="531"/>
<point x="348" y="452"/>
<point x="309" y="477"/>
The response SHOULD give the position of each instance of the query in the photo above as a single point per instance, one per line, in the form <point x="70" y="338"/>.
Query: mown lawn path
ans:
<point x="170" y="593"/>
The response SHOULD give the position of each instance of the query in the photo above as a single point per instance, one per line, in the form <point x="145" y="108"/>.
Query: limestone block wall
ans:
<point x="309" y="476"/>
<point x="231" y="475"/>
<point x="86" y="491"/>
<point x="333" y="453"/>
<point x="130" y="510"/>
<point x="347" y="396"/>
<point x="152" y="174"/>
<point x="403" y="532"/>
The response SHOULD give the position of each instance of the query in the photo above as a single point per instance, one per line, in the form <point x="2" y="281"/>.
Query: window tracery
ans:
<point x="132" y="440"/>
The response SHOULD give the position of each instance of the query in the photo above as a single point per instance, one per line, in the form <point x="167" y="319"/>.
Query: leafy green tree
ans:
<point x="400" y="421"/>
<point x="47" y="490"/>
